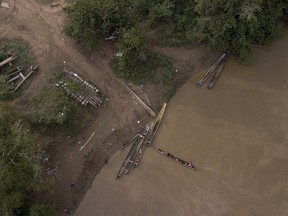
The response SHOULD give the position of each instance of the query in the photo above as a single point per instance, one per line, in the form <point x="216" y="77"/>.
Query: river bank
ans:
<point x="236" y="136"/>
<point x="41" y="27"/>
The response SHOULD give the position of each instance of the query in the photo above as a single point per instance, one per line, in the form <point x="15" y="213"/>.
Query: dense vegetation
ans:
<point x="22" y="170"/>
<point x="91" y="20"/>
<point x="237" y="25"/>
<point x="51" y="106"/>
<point x="136" y="62"/>
<point x="24" y="167"/>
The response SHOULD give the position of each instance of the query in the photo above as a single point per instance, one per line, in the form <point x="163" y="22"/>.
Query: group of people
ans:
<point x="182" y="162"/>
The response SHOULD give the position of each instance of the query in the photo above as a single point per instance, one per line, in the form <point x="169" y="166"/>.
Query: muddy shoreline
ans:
<point x="236" y="136"/>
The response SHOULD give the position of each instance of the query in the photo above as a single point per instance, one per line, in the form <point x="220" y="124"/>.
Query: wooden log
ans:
<point x="14" y="78"/>
<point x="139" y="100"/>
<point x="216" y="75"/>
<point x="13" y="72"/>
<point x="82" y="147"/>
<point x="11" y="58"/>
<point x="33" y="69"/>
<point x="210" y="71"/>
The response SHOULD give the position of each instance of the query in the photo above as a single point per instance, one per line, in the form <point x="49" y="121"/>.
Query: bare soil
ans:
<point x="40" y="25"/>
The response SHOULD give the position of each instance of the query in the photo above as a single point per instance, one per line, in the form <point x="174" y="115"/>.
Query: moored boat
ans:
<point x="171" y="156"/>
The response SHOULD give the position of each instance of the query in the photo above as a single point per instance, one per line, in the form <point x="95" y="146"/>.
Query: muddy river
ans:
<point x="235" y="134"/>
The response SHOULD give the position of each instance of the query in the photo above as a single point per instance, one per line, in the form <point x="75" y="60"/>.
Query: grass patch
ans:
<point x="19" y="48"/>
<point x="24" y="58"/>
<point x="50" y="106"/>
<point x="6" y="89"/>
<point x="170" y="92"/>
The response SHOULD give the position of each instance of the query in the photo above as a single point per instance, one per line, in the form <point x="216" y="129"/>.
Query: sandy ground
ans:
<point x="236" y="135"/>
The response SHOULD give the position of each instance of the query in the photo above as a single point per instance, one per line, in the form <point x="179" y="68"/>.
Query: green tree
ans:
<point x="19" y="164"/>
<point x="238" y="24"/>
<point x="173" y="20"/>
<point x="161" y="12"/>
<point x="136" y="63"/>
<point x="50" y="106"/>
<point x="132" y="41"/>
<point x="16" y="162"/>
<point x="91" y="20"/>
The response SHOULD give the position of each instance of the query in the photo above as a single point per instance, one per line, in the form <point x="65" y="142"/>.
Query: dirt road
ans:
<point x="236" y="135"/>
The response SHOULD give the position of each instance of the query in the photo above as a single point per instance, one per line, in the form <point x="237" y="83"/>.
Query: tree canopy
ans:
<point x="135" y="62"/>
<point x="50" y="107"/>
<point x="237" y="25"/>
<point x="19" y="165"/>
<point x="90" y="20"/>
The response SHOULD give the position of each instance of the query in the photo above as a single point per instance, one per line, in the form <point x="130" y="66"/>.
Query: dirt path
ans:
<point x="41" y="27"/>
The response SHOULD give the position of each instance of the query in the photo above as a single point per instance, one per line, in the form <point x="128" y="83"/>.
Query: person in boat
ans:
<point x="190" y="165"/>
<point x="169" y="155"/>
<point x="181" y="161"/>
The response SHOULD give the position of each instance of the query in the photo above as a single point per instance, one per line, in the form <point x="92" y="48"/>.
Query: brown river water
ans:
<point x="235" y="134"/>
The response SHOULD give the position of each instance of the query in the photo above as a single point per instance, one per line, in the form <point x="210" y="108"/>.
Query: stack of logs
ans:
<point x="16" y="74"/>
<point x="90" y="94"/>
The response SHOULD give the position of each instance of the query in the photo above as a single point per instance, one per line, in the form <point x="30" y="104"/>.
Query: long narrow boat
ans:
<point x="133" y="156"/>
<point x="218" y="72"/>
<point x="180" y="161"/>
<point x="130" y="140"/>
<point x="216" y="75"/>
<point x="140" y="141"/>
<point x="131" y="151"/>
<point x="140" y="153"/>
<point x="156" y="124"/>
<point x="211" y="70"/>
<point x="142" y="147"/>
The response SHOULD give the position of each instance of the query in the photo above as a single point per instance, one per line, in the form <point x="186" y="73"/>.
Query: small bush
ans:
<point x="50" y="106"/>
<point x="3" y="55"/>
<point x="19" y="48"/>
<point x="170" y="93"/>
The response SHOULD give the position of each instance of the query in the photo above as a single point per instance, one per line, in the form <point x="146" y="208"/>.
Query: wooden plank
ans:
<point x="14" y="78"/>
<point x="11" y="58"/>
<point x="210" y="71"/>
<point x="82" y="147"/>
<point x="139" y="100"/>
<point x="33" y="69"/>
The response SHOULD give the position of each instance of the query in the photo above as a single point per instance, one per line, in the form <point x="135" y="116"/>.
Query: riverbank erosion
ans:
<point x="236" y="136"/>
